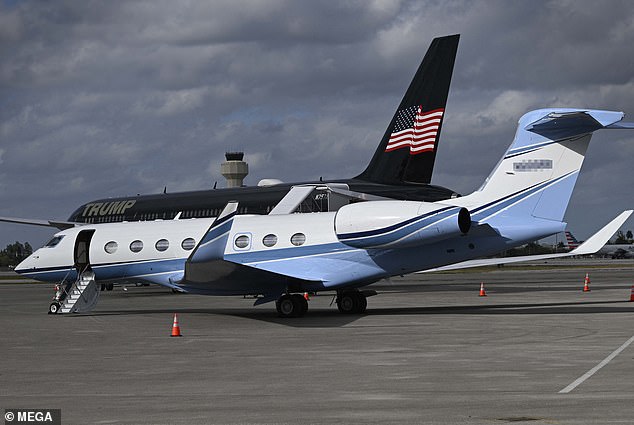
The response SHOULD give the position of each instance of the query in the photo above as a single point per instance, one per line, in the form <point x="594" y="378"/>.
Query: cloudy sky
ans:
<point x="102" y="99"/>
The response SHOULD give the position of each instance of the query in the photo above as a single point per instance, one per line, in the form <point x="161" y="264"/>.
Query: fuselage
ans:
<point x="123" y="251"/>
<point x="253" y="200"/>
<point x="319" y="250"/>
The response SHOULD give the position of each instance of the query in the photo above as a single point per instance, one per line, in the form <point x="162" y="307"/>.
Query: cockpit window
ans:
<point x="53" y="242"/>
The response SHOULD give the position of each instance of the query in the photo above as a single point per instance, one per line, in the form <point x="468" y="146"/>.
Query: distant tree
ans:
<point x="628" y="235"/>
<point x="13" y="254"/>
<point x="620" y="238"/>
<point x="530" y="248"/>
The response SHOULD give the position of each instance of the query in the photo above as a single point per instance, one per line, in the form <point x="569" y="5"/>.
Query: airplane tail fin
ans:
<point x="571" y="241"/>
<point x="408" y="148"/>
<point x="536" y="177"/>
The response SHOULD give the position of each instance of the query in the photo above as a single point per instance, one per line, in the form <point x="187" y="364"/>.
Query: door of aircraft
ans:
<point x="82" y="250"/>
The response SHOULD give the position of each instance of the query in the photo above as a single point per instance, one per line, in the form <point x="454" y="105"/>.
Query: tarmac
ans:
<point x="536" y="350"/>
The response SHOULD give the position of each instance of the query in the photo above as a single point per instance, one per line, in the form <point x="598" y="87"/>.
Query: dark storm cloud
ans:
<point x="114" y="98"/>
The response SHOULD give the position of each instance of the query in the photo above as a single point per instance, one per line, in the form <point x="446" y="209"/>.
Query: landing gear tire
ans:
<point x="109" y="286"/>
<point x="363" y="303"/>
<point x="291" y="306"/>
<point x="303" y="304"/>
<point x="352" y="302"/>
<point x="103" y="287"/>
<point x="53" y="308"/>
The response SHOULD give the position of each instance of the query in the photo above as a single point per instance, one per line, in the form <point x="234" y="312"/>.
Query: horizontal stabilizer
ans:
<point x="561" y="124"/>
<point x="622" y="125"/>
<point x="592" y="245"/>
<point x="61" y="225"/>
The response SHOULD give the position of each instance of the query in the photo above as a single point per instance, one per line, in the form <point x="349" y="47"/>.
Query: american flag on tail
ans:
<point x="416" y="130"/>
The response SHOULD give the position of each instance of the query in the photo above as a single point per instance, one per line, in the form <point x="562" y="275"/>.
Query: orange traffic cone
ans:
<point x="482" y="293"/>
<point x="632" y="294"/>
<point x="586" y="284"/>
<point x="176" y="330"/>
<point x="306" y="296"/>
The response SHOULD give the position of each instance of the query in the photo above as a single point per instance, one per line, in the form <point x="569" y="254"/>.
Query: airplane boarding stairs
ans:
<point x="77" y="297"/>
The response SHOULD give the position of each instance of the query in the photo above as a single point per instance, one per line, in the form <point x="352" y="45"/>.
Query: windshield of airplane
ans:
<point x="53" y="242"/>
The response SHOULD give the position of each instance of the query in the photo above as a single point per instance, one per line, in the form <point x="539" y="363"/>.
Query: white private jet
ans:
<point x="279" y="256"/>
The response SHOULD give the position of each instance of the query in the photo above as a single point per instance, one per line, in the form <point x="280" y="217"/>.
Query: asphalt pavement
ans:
<point x="429" y="350"/>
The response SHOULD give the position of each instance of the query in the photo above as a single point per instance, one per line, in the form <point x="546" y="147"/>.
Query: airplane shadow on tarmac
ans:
<point x="324" y="318"/>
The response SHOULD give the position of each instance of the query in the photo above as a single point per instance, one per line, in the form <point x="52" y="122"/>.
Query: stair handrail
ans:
<point x="81" y="294"/>
<point x="66" y="286"/>
<point x="68" y="289"/>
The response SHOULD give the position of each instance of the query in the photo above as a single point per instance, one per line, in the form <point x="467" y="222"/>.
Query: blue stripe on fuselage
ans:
<point x="110" y="271"/>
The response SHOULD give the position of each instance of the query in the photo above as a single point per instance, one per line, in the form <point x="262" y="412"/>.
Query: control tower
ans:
<point x="234" y="169"/>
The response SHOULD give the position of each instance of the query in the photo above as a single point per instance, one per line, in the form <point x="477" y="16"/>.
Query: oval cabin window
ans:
<point x="298" y="239"/>
<point x="111" y="247"/>
<point x="242" y="241"/>
<point x="269" y="240"/>
<point x="188" y="244"/>
<point x="162" y="245"/>
<point x="136" y="246"/>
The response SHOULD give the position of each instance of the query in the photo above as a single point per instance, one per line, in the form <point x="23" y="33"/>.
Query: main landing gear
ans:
<point x="294" y="305"/>
<point x="107" y="286"/>
<point x="348" y="302"/>
<point x="352" y="302"/>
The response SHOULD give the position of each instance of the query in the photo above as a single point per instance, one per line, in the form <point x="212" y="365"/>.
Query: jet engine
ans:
<point x="399" y="223"/>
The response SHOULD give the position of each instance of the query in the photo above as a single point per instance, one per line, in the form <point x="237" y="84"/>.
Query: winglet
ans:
<point x="212" y="245"/>
<point x="596" y="241"/>
<point x="227" y="212"/>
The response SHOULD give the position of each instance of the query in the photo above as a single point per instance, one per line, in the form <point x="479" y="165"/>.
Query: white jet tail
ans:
<point x="532" y="184"/>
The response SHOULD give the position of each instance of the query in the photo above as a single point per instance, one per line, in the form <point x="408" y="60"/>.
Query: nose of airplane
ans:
<point x="25" y="265"/>
<point x="20" y="268"/>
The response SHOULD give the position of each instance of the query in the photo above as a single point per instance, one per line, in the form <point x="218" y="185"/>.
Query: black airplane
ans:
<point x="401" y="167"/>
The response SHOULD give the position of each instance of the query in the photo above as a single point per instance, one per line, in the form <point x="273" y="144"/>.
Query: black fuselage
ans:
<point x="252" y="200"/>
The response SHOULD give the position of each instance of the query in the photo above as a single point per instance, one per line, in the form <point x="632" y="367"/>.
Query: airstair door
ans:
<point x="81" y="295"/>
<point x="82" y="250"/>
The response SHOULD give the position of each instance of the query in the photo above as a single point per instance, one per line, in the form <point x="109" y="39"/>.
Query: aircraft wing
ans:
<point x="359" y="196"/>
<point x="61" y="225"/>
<point x="590" y="246"/>
<point x="291" y="201"/>
<point x="298" y="194"/>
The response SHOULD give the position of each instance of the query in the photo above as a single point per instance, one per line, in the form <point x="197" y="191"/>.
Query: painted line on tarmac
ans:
<point x="592" y="371"/>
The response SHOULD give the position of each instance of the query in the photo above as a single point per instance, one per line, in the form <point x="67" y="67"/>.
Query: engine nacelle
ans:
<point x="395" y="224"/>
